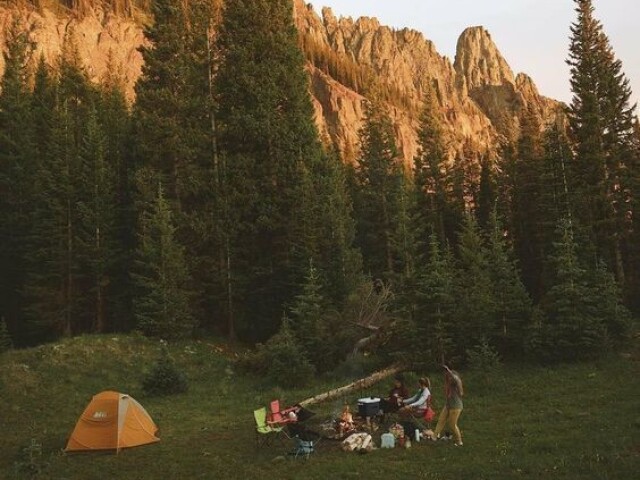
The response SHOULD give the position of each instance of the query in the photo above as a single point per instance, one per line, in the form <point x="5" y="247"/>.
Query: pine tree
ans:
<point x="273" y="160"/>
<point x="330" y="228"/>
<point x="406" y="240"/>
<point x="162" y="305"/>
<point x="435" y="310"/>
<point x="601" y="121"/>
<point x="308" y="314"/>
<point x="487" y="196"/>
<point x="526" y="197"/>
<point x="284" y="360"/>
<point x="432" y="184"/>
<point x="606" y="301"/>
<point x="458" y="197"/>
<point x="164" y="109"/>
<point x="54" y="283"/>
<point x="43" y="105"/>
<point x="115" y="120"/>
<point x="476" y="305"/>
<point x="17" y="166"/>
<point x="632" y="297"/>
<point x="512" y="303"/>
<point x="379" y="180"/>
<point x="97" y="242"/>
<point x="554" y="202"/>
<point x="573" y="330"/>
<point x="174" y="136"/>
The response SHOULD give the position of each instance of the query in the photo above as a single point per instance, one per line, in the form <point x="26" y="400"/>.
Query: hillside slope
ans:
<point x="568" y="422"/>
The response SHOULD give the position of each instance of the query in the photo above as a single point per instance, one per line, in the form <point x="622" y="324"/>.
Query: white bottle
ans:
<point x="417" y="435"/>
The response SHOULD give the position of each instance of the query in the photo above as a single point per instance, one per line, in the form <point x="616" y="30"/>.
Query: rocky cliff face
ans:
<point x="478" y="95"/>
<point x="104" y="40"/>
<point x="486" y="78"/>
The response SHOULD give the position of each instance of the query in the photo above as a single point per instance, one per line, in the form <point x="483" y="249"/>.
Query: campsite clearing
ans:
<point x="573" y="421"/>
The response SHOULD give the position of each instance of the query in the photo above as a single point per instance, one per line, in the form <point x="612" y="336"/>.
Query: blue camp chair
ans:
<point x="303" y="448"/>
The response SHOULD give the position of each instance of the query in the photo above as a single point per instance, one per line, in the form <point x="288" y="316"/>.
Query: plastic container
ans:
<point x="387" y="440"/>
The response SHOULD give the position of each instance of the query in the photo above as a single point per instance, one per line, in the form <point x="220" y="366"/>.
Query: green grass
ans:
<point x="575" y="421"/>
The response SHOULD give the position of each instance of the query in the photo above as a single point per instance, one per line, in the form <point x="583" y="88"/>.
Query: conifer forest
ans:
<point x="210" y="204"/>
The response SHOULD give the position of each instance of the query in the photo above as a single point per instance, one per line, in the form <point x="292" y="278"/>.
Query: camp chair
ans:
<point x="265" y="432"/>
<point x="419" y="417"/>
<point x="303" y="448"/>
<point x="278" y="417"/>
<point x="305" y="441"/>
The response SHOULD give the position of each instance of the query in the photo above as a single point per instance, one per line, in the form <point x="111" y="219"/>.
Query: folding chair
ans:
<point x="265" y="432"/>
<point x="420" y="417"/>
<point x="303" y="448"/>
<point x="305" y="441"/>
<point x="278" y="417"/>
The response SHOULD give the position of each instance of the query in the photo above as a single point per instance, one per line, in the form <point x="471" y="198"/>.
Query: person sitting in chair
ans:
<point x="420" y="401"/>
<point x="397" y="394"/>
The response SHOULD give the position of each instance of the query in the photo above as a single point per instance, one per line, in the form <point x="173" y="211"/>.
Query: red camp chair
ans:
<point x="277" y="416"/>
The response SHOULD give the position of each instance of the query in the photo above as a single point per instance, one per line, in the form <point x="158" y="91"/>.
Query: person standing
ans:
<point x="450" y="414"/>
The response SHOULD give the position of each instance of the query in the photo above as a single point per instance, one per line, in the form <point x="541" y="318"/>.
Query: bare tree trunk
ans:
<point x="353" y="387"/>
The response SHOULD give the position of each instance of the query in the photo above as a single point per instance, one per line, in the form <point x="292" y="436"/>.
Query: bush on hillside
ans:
<point x="281" y="360"/>
<point x="485" y="360"/>
<point x="164" y="378"/>
<point x="5" y="337"/>
<point x="483" y="357"/>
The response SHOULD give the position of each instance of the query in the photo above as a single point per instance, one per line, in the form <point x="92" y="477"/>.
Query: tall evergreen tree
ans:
<point x="171" y="110"/>
<point x="634" y="241"/>
<point x="175" y="137"/>
<point x="307" y="314"/>
<point x="54" y="284"/>
<point x="526" y="222"/>
<point x="430" y="172"/>
<point x="17" y="166"/>
<point x="512" y="303"/>
<point x="97" y="243"/>
<point x="335" y="229"/>
<point x="572" y="331"/>
<point x="435" y="310"/>
<point x="115" y="120"/>
<point x="476" y="305"/>
<point x="379" y="179"/>
<point x="554" y="202"/>
<point x="162" y="306"/>
<point x="487" y="196"/>
<point x="273" y="157"/>
<point x="601" y="121"/>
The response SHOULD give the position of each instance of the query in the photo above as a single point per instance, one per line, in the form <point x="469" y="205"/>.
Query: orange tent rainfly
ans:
<point x="110" y="422"/>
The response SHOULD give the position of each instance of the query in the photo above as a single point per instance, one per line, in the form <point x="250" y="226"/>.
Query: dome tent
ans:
<point x="112" y="421"/>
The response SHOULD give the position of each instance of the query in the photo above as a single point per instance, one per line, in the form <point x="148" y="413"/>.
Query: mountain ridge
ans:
<point x="479" y="96"/>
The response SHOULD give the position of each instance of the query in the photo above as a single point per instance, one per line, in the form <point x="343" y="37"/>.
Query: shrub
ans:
<point x="282" y="360"/>
<point x="5" y="337"/>
<point x="483" y="358"/>
<point x="164" y="377"/>
<point x="30" y="462"/>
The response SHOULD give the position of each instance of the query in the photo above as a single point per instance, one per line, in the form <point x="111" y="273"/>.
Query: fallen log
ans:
<point x="353" y="387"/>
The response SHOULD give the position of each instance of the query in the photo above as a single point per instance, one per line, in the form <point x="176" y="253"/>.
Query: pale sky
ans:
<point x="533" y="35"/>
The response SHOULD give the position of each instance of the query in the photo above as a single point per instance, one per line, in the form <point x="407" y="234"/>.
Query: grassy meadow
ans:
<point x="572" y="421"/>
